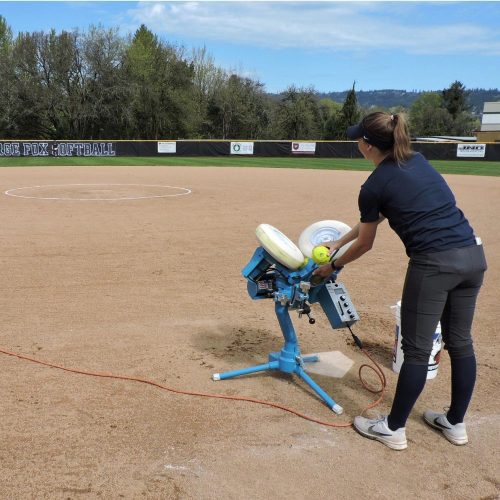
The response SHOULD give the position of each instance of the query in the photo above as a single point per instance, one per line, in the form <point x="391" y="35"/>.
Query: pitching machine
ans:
<point x="283" y="272"/>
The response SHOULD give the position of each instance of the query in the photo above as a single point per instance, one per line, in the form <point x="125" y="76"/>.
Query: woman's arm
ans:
<point x="351" y="235"/>
<point x="364" y="242"/>
<point x="366" y="232"/>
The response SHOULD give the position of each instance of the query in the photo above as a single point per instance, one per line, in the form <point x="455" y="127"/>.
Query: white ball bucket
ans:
<point x="397" y="354"/>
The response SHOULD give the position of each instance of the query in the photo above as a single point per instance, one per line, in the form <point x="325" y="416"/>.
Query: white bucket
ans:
<point x="397" y="353"/>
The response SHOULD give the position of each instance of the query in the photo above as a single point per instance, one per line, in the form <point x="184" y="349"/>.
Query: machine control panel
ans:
<point x="337" y="304"/>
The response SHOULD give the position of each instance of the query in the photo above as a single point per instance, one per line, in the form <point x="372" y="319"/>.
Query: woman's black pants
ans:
<point x="441" y="286"/>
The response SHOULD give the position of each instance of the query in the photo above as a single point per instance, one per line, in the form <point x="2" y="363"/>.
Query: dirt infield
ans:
<point x="151" y="288"/>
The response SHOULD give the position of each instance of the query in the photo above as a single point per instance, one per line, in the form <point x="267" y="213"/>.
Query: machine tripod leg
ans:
<point x="319" y="391"/>
<point x="273" y="365"/>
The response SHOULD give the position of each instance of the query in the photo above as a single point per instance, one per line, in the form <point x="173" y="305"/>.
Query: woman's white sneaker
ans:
<point x="456" y="434"/>
<point x="379" y="430"/>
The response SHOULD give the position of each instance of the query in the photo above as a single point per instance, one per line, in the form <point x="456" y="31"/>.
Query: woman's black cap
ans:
<point x="355" y="132"/>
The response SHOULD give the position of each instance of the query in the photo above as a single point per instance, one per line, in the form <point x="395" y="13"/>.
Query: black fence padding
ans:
<point x="338" y="150"/>
<point x="136" y="148"/>
<point x="202" y="148"/>
<point x="272" y="148"/>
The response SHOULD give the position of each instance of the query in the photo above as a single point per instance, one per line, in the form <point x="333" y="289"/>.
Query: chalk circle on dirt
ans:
<point x="97" y="192"/>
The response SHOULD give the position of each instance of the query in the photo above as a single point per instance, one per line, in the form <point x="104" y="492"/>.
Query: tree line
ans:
<point x="100" y="85"/>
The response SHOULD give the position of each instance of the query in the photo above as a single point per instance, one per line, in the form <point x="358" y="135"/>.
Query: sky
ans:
<point x="325" y="45"/>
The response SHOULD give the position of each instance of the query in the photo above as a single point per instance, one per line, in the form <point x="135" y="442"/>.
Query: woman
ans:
<point x="444" y="274"/>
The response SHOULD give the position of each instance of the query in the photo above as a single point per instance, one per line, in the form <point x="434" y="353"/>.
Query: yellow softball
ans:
<point x="321" y="255"/>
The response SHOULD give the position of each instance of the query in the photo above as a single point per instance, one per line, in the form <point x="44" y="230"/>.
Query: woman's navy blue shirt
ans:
<point x="418" y="205"/>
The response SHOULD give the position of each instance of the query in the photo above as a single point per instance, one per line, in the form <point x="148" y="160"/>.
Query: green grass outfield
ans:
<point x="445" y="167"/>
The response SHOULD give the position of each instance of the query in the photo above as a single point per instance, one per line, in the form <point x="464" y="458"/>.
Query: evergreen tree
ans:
<point x="350" y="110"/>
<point x="336" y="125"/>
<point x="455" y="99"/>
<point x="161" y="88"/>
<point x="456" y="102"/>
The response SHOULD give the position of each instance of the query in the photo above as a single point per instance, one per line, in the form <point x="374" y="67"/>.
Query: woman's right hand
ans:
<point x="332" y="245"/>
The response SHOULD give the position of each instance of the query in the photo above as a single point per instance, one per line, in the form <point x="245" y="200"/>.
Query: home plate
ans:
<point x="331" y="364"/>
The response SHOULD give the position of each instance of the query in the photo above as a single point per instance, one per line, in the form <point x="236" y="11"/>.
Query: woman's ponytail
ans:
<point x="402" y="146"/>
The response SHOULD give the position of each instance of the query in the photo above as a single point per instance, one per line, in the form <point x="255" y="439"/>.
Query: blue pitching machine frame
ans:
<point x="294" y="289"/>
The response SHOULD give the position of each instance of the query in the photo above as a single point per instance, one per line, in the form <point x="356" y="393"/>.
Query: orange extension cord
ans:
<point x="377" y="370"/>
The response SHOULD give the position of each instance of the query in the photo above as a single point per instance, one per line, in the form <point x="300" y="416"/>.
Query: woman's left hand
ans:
<point x="324" y="271"/>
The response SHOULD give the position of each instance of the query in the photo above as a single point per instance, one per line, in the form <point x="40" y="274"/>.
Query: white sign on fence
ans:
<point x="242" y="148"/>
<point x="471" y="150"/>
<point x="167" y="147"/>
<point x="308" y="148"/>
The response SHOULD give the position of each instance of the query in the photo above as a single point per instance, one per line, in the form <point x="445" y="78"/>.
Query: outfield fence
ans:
<point x="322" y="149"/>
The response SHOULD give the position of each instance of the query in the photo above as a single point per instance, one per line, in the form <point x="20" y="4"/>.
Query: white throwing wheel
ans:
<point x="323" y="232"/>
<point x="279" y="246"/>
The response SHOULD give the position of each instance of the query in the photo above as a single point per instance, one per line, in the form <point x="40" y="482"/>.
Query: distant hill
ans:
<point x="389" y="98"/>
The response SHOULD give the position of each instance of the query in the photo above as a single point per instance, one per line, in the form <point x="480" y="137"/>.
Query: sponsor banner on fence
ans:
<point x="167" y="147"/>
<point x="242" y="148"/>
<point x="471" y="150"/>
<point x="307" y="148"/>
